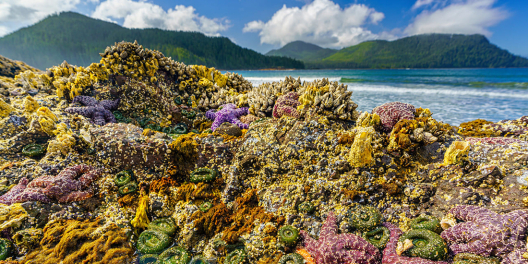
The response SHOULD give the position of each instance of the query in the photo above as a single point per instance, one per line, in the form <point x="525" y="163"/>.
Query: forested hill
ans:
<point x="79" y="40"/>
<point x="302" y="51"/>
<point x="423" y="51"/>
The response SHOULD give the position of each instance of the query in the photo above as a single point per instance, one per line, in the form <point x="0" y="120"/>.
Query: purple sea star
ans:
<point x="287" y="105"/>
<point x="228" y="113"/>
<point x="391" y="113"/>
<point x="8" y="197"/>
<point x="391" y="257"/>
<point x="98" y="112"/>
<point x="487" y="233"/>
<point x="71" y="184"/>
<point x="333" y="248"/>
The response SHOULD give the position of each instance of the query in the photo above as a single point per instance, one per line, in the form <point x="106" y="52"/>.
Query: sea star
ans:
<point x="391" y="257"/>
<point x="287" y="105"/>
<point x="227" y="113"/>
<point x="391" y="113"/>
<point x="71" y="184"/>
<point x="333" y="248"/>
<point x="486" y="233"/>
<point x="98" y="112"/>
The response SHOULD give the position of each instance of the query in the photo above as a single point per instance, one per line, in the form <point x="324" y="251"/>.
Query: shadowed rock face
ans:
<point x="124" y="146"/>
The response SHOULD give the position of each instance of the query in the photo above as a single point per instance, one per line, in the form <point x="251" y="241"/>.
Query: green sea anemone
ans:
<point x="288" y="234"/>
<point x="426" y="222"/>
<point x="199" y="260"/>
<point x="426" y="244"/>
<point x="469" y="258"/>
<point x="306" y="207"/>
<point x="202" y="175"/>
<point x="180" y="129"/>
<point x="378" y="237"/>
<point x="205" y="206"/>
<point x="152" y="242"/>
<point x="165" y="225"/>
<point x="364" y="218"/>
<point x="292" y="258"/>
<point x="238" y="256"/>
<point x="174" y="255"/>
<point x="148" y="259"/>
<point x="123" y="177"/>
<point x="128" y="188"/>
<point x="5" y="248"/>
<point x="33" y="150"/>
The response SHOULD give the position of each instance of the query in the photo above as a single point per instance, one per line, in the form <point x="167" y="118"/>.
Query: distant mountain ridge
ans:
<point x="302" y="51"/>
<point x="79" y="39"/>
<point x="420" y="51"/>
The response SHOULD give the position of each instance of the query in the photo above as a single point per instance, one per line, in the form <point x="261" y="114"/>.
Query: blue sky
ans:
<point x="263" y="25"/>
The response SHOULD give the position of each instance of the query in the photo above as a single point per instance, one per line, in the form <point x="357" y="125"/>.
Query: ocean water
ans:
<point x="453" y="95"/>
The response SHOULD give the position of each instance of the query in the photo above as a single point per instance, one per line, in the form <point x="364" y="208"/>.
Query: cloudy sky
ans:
<point x="263" y="25"/>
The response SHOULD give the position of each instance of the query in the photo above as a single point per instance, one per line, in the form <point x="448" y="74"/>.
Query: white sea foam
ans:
<point x="436" y="89"/>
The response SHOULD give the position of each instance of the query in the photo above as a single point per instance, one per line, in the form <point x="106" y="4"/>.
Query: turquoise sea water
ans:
<point x="453" y="95"/>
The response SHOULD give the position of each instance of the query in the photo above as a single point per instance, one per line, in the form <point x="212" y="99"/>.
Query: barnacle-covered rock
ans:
<point x="361" y="151"/>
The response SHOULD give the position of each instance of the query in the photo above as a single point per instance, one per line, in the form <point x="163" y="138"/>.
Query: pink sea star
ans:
<point x="228" y="113"/>
<point x="71" y="184"/>
<point x="486" y="233"/>
<point x="98" y="112"/>
<point x="391" y="113"/>
<point x="287" y="105"/>
<point x="333" y="248"/>
<point x="391" y="257"/>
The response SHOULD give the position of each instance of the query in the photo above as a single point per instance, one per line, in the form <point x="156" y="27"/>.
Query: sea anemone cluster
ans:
<point x="141" y="159"/>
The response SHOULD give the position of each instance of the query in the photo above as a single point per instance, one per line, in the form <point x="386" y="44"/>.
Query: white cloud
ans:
<point x="460" y="17"/>
<point x="140" y="14"/>
<point x="15" y="14"/>
<point x="321" y="22"/>
<point x="420" y="3"/>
